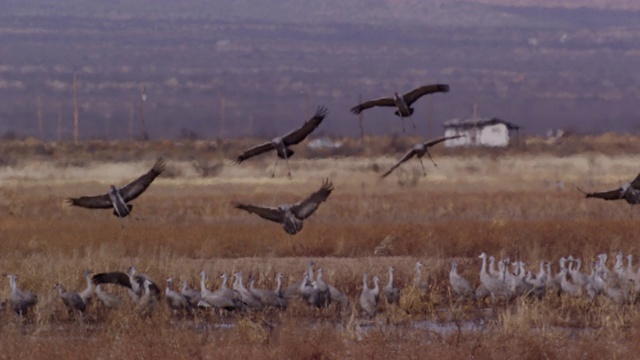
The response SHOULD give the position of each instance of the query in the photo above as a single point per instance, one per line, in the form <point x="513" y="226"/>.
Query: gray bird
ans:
<point x="223" y="298"/>
<point x="459" y="285"/>
<point x="291" y="216"/>
<point x="248" y="299"/>
<point x="418" y="151"/>
<point x="118" y="198"/>
<point x="109" y="300"/>
<point x="176" y="301"/>
<point x="370" y="296"/>
<point x="268" y="297"/>
<point x="71" y="300"/>
<point x="20" y="300"/>
<point x="134" y="283"/>
<point x="193" y="296"/>
<point x="391" y="293"/>
<point x="402" y="103"/>
<point x="282" y="144"/>
<point x="630" y="192"/>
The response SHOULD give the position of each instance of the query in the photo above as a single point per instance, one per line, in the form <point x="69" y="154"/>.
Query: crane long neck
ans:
<point x="483" y="269"/>
<point x="203" y="285"/>
<point x="278" y="284"/>
<point x="364" y="282"/>
<point x="376" y="287"/>
<point x="310" y="272"/>
<point x="390" y="283"/>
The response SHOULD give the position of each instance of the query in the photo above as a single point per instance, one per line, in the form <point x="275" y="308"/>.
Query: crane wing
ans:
<point x="636" y="182"/>
<point x="406" y="157"/>
<point x="606" y="195"/>
<point x="91" y="202"/>
<point x="115" y="277"/>
<point x="305" y="208"/>
<point x="387" y="101"/>
<point x="256" y="150"/>
<point x="416" y="94"/>
<point x="301" y="133"/>
<point x="138" y="186"/>
<point x="153" y="287"/>
<point x="268" y="213"/>
<point x="440" y="139"/>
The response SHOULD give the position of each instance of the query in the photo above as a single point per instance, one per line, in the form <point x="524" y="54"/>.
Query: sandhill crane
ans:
<point x="492" y="267"/>
<point x="176" y="301"/>
<point x="71" y="300"/>
<point x="482" y="292"/>
<point x="248" y="299"/>
<point x="223" y="298"/>
<point x="294" y="289"/>
<point x="369" y="297"/>
<point x="538" y="283"/>
<point x="291" y="216"/>
<point x="518" y="284"/>
<point x="107" y="299"/>
<point x="419" y="150"/>
<point x="569" y="288"/>
<point x="282" y="144"/>
<point x="87" y="293"/>
<point x="577" y="276"/>
<point x="495" y="286"/>
<point x="268" y="297"/>
<point x="118" y="198"/>
<point x="134" y="283"/>
<point x="459" y="285"/>
<point x="392" y="294"/>
<point x="323" y="289"/>
<point x="417" y="281"/>
<point x="537" y="286"/>
<point x="310" y="293"/>
<point x="192" y="295"/>
<point x="20" y="300"/>
<point x="402" y="103"/>
<point x="630" y="192"/>
<point x="339" y="297"/>
<point x="148" y="300"/>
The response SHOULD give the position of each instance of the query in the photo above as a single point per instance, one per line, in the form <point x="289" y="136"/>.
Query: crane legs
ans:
<point x="424" y="171"/>
<point x="274" y="167"/>
<point x="430" y="158"/>
<point x="286" y="160"/>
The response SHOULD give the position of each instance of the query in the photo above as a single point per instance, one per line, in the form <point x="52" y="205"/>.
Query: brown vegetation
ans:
<point x="509" y="205"/>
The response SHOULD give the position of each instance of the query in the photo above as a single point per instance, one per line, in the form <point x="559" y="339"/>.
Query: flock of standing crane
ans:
<point x="621" y="285"/>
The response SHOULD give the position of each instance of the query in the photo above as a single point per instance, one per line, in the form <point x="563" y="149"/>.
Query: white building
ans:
<point x="479" y="132"/>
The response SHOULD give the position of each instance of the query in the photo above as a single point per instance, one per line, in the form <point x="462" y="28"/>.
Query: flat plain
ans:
<point x="518" y="204"/>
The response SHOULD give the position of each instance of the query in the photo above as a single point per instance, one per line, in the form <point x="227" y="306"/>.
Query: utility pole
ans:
<point x="361" y="118"/>
<point x="75" y="109"/>
<point x="40" y="126"/>
<point x="59" y="125"/>
<point x="475" y="123"/>
<point x="143" y="99"/>
<point x="131" y="111"/>
<point x="223" y="103"/>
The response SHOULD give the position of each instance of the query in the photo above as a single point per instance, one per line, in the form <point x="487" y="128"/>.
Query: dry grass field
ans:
<point x="521" y="205"/>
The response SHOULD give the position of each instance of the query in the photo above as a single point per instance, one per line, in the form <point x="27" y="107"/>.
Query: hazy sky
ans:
<point x="218" y="69"/>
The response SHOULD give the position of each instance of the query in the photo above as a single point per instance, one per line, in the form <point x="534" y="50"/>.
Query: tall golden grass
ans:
<point x="506" y="206"/>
